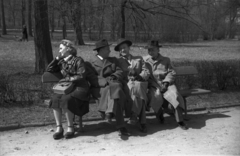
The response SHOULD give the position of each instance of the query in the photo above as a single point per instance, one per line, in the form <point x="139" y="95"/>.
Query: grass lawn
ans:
<point x="20" y="56"/>
<point x="18" y="59"/>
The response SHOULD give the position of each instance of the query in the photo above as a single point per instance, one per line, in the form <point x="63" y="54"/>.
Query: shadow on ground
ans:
<point x="196" y="121"/>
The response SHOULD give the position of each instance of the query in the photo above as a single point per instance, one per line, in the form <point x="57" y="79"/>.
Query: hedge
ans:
<point x="27" y="89"/>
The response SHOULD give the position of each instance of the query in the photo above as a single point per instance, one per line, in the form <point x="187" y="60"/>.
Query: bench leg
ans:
<point x="185" y="110"/>
<point x="80" y="124"/>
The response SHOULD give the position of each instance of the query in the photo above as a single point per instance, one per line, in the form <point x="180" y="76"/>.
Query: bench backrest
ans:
<point x="185" y="70"/>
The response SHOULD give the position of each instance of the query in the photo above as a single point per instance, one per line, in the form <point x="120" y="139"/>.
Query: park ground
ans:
<point x="211" y="132"/>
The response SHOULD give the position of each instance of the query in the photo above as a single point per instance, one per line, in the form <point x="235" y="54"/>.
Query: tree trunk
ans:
<point x="23" y="12"/>
<point x="43" y="47"/>
<point x="78" y="32"/>
<point x="64" y="28"/>
<point x="101" y="25"/>
<point x="76" y="21"/>
<point x="52" y="17"/>
<point x="91" y="21"/>
<point x="11" y="5"/>
<point x="123" y="18"/>
<point x="84" y="16"/>
<point x="29" y="17"/>
<point x="4" y="30"/>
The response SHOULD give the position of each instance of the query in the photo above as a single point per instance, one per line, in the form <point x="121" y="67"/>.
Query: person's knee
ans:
<point x="65" y="110"/>
<point x="57" y="109"/>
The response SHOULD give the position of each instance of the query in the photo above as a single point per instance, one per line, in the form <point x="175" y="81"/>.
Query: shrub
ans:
<point x="24" y="89"/>
<point x="7" y="92"/>
<point x="205" y="74"/>
<point x="224" y="73"/>
<point x="27" y="89"/>
<point x="211" y="74"/>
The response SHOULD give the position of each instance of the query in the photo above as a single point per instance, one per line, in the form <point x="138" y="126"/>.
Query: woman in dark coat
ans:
<point x="76" y="102"/>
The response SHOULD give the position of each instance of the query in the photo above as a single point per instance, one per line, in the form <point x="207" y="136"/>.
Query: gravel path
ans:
<point x="215" y="132"/>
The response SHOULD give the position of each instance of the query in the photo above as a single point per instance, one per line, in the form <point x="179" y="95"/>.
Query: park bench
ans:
<point x="189" y="71"/>
<point x="181" y="71"/>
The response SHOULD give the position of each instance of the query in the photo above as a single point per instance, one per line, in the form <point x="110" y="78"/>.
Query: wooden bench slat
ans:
<point x="196" y="91"/>
<point x="185" y="70"/>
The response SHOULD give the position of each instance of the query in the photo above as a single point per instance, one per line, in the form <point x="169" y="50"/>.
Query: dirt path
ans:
<point x="211" y="133"/>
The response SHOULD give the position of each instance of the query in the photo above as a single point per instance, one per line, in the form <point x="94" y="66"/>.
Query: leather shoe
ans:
<point x="143" y="128"/>
<point x="133" y="120"/>
<point x="123" y="131"/>
<point x="58" y="135"/>
<point x="103" y="115"/>
<point x="182" y="125"/>
<point x="160" y="117"/>
<point x="109" y="117"/>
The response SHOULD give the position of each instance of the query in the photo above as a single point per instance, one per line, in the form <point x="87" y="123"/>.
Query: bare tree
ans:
<point x="12" y="11"/>
<point x="123" y="5"/>
<point x="43" y="47"/>
<point x="233" y="6"/>
<point x="23" y="10"/>
<point x="75" y="17"/>
<point x="52" y="17"/>
<point x="61" y="9"/>
<point x="4" y="30"/>
<point x="29" y="17"/>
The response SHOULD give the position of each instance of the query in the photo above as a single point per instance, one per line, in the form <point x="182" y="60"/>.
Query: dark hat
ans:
<point x="121" y="41"/>
<point x="152" y="43"/>
<point x="100" y="44"/>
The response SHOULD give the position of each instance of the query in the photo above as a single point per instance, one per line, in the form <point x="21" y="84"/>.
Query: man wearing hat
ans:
<point x="110" y="96"/>
<point x="161" y="84"/>
<point x="135" y="83"/>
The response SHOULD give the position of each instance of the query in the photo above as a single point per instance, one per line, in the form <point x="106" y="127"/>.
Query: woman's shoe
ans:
<point x="58" y="135"/>
<point x="69" y="135"/>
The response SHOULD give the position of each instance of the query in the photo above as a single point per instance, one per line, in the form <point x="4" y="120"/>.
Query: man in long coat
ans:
<point x="161" y="83"/>
<point x="110" y="96"/>
<point x="135" y="83"/>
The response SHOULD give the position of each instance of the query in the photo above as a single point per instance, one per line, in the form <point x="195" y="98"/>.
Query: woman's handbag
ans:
<point x="63" y="88"/>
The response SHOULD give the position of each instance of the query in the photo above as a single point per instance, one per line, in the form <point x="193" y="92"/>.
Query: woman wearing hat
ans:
<point x="73" y="70"/>
<point x="161" y="83"/>
<point x="135" y="78"/>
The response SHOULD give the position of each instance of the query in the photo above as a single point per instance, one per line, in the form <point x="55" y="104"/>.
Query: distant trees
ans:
<point x="75" y="7"/>
<point x="4" y="29"/>
<point x="232" y="15"/>
<point x="23" y="11"/>
<point x="43" y="47"/>
<point x="168" y="20"/>
<point x="123" y="5"/>
<point x="29" y="17"/>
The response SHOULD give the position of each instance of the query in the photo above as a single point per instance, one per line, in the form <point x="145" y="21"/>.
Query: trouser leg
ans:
<point x="142" y="115"/>
<point x="118" y="114"/>
<point x="178" y="112"/>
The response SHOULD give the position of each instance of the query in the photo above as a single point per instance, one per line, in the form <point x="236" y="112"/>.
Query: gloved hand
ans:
<point x="111" y="78"/>
<point x="138" y="78"/>
<point x="66" y="79"/>
<point x="164" y="87"/>
<point x="132" y="73"/>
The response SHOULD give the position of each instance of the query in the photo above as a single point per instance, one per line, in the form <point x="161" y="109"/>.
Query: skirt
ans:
<point x="76" y="106"/>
